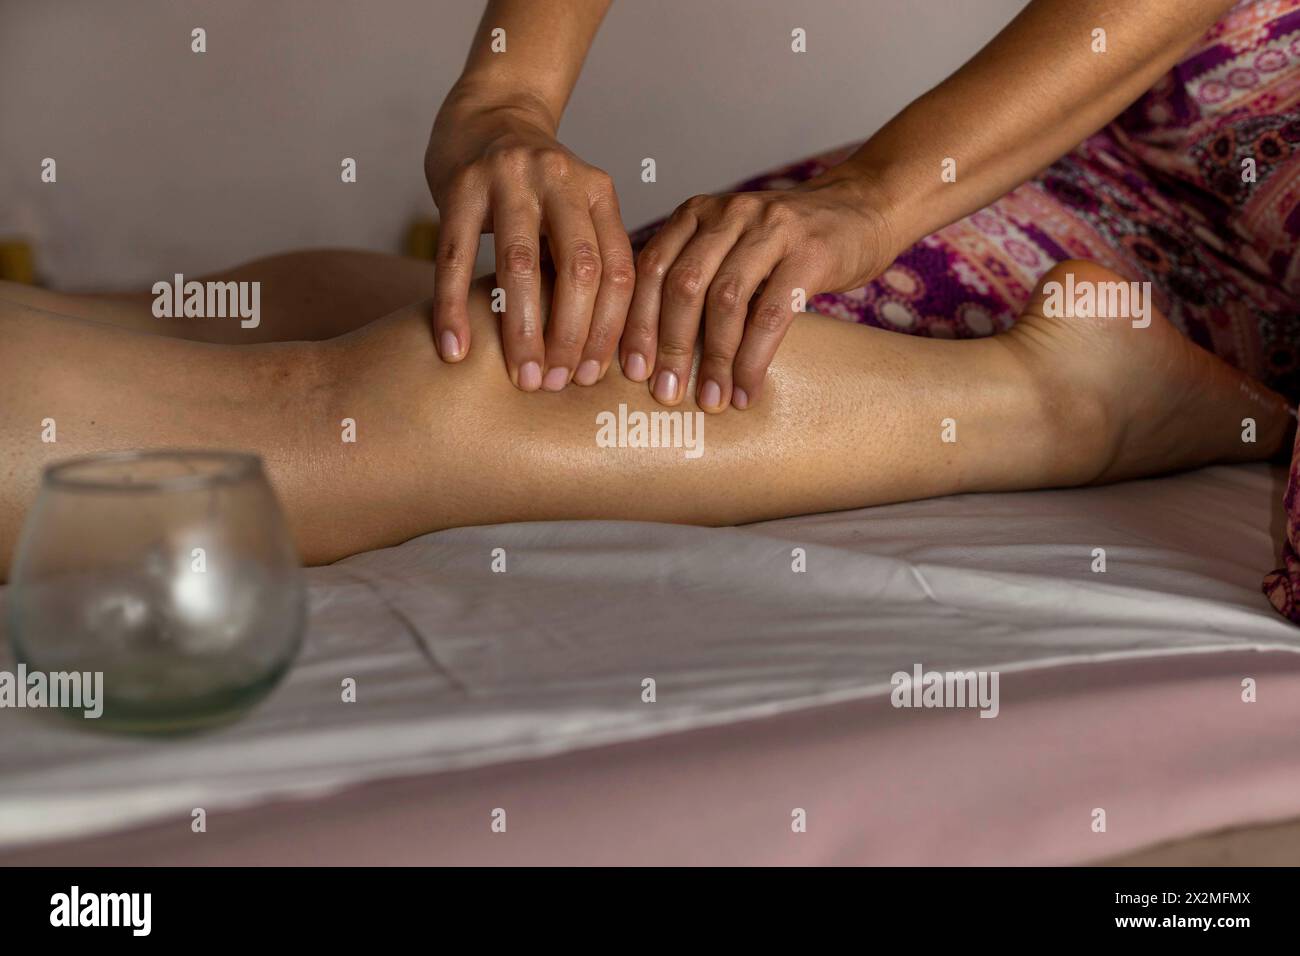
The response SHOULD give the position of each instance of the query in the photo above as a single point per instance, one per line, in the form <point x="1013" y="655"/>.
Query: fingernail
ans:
<point x="530" y="376"/>
<point x="588" y="372"/>
<point x="634" y="367"/>
<point x="450" y="347"/>
<point x="666" y="386"/>
<point x="556" y="379"/>
<point x="738" y="398"/>
<point x="711" y="394"/>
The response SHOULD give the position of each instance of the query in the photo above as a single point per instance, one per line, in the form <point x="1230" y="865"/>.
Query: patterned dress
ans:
<point x="1195" y="188"/>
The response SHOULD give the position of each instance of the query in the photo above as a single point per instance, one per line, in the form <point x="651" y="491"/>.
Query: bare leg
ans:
<point x="305" y="296"/>
<point x="854" y="417"/>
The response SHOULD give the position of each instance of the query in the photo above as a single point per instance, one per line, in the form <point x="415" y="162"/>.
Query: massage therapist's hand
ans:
<point x="734" y="262"/>
<point x="501" y="169"/>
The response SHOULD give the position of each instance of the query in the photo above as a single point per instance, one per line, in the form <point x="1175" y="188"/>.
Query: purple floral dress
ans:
<point x="1158" y="195"/>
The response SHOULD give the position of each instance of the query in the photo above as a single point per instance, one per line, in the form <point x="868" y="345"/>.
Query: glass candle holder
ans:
<point x="172" y="573"/>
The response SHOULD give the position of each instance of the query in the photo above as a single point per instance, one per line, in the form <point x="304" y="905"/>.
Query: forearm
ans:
<point x="546" y="42"/>
<point x="1032" y="94"/>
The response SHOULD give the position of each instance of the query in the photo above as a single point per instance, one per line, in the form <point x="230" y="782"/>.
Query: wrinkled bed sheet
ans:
<point x="460" y="666"/>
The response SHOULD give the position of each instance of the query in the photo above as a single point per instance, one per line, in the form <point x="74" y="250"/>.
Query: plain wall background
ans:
<point x="171" y="161"/>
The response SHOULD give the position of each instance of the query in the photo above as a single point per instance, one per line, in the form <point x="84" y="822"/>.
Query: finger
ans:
<point x="458" y="236"/>
<point x="617" y="280"/>
<point x="770" y="317"/>
<point x="572" y="238"/>
<point x="682" y="309"/>
<point x="637" y="349"/>
<point x="516" y="227"/>
<point x="744" y="269"/>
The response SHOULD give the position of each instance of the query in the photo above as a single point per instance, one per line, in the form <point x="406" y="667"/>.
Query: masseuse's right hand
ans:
<point x="499" y="168"/>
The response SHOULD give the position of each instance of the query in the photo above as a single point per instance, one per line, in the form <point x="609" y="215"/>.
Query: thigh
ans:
<point x="74" y="386"/>
<point x="124" y="311"/>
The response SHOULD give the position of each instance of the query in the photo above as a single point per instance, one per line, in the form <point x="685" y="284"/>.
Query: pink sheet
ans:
<point x="1165" y="745"/>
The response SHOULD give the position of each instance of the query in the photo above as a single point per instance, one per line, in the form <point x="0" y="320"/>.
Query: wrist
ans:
<point x="864" y="195"/>
<point x="903" y="177"/>
<point x="472" y="119"/>
<point x="507" y="99"/>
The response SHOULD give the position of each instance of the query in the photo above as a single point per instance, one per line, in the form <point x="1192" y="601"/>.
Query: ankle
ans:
<point x="1078" y="421"/>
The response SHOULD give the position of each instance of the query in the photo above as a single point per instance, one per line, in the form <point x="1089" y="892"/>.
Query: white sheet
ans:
<point x="459" y="666"/>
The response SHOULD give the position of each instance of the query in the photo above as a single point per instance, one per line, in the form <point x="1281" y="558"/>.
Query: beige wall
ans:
<point x="172" y="161"/>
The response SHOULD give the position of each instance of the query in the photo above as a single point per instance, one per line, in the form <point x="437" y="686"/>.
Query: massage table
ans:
<point x="505" y="717"/>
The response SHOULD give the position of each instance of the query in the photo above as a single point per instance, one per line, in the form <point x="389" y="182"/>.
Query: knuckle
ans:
<point x="726" y="293"/>
<point x="651" y="264"/>
<point x="686" y="281"/>
<point x="775" y="214"/>
<point x="514" y="159"/>
<point x="680" y="218"/>
<point x="618" y="272"/>
<point x="519" y="259"/>
<point x="771" y="316"/>
<point x="639" y="334"/>
<point x="556" y="163"/>
<point x="674" y="348"/>
<point x="697" y="202"/>
<point x="583" y="263"/>
<point x="566" y="338"/>
<point x="749" y="372"/>
<point x="740" y="204"/>
<point x="717" y="356"/>
<point x="452" y="256"/>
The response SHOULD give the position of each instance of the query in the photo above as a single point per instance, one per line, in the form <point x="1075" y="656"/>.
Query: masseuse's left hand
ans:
<point x="710" y="259"/>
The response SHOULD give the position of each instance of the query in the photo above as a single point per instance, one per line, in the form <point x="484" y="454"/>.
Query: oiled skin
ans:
<point x="854" y="416"/>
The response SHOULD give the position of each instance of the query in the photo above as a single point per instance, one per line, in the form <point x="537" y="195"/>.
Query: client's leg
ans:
<point x="303" y="296"/>
<point x="854" y="417"/>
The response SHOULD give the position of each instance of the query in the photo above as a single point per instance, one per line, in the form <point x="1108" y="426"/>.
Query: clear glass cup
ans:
<point x="171" y="572"/>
